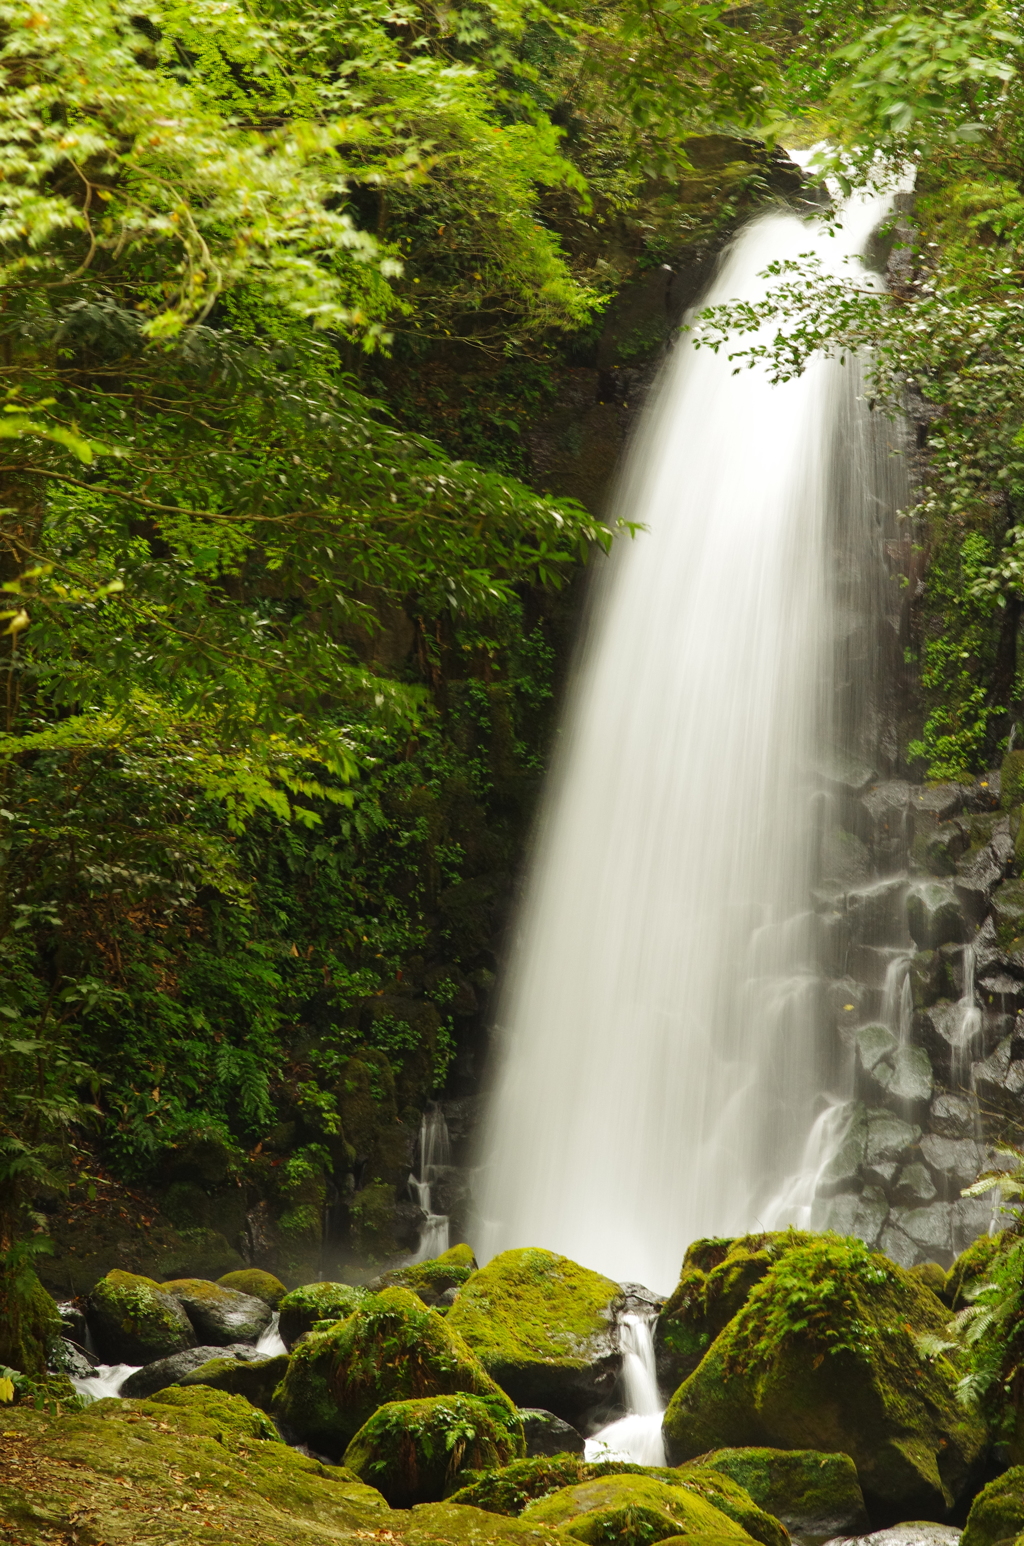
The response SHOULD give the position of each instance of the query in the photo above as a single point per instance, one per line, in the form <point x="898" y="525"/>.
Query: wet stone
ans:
<point x="874" y="1042"/>
<point x="942" y="801"/>
<point x="956" y="1160"/>
<point x="907" y="1076"/>
<point x="971" y="1217"/>
<point x="933" y="915"/>
<point x="914" y="1533"/>
<point x="889" y="1137"/>
<point x="952" y="1116"/>
<point x="843" y="1172"/>
<point x="929" y="1228"/>
<point x="168" y="1371"/>
<point x="547" y="1434"/>
<point x="862" y="1216"/>
<point x="914" y="1186"/>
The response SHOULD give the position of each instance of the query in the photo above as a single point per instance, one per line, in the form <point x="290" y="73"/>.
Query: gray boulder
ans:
<point x="863" y="1215"/>
<point x="220" y="1316"/>
<point x="889" y="1137"/>
<point x="952" y="1116"/>
<point x="956" y="1162"/>
<point x="170" y="1371"/>
<point x="547" y="1434"/>
<point x="914" y="1186"/>
<point x="906" y="1076"/>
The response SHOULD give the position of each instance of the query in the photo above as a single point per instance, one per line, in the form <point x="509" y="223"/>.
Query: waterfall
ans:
<point x="898" y="999"/>
<point x="637" y="1436"/>
<point x="660" y="1067"/>
<point x="433" y="1159"/>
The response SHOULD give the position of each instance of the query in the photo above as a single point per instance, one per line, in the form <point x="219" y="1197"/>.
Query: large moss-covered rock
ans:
<point x="632" y="1509"/>
<point x="823" y="1355"/>
<point x="430" y="1523"/>
<point x="257" y="1283"/>
<point x="134" y="1321"/>
<point x="219" y="1315"/>
<point x="30" y="1326"/>
<point x="391" y="1349"/>
<point x="997" y="1513"/>
<point x="513" y="1489"/>
<point x="304" y="1307"/>
<point x="815" y="1495"/>
<point x="190" y="1466"/>
<point x="429" y="1280"/>
<point x="543" y="1327"/>
<point x="414" y="1451"/>
<point x="716" y="1278"/>
<point x="256" y="1380"/>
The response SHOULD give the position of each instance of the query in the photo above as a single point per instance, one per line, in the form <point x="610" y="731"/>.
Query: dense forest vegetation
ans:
<point x="287" y="601"/>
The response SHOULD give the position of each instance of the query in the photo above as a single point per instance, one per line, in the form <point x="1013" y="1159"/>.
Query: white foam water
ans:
<point x="661" y="1068"/>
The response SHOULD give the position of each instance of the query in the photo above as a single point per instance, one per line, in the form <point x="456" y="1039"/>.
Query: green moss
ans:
<point x="188" y="1466"/>
<point x="304" y="1307"/>
<point x="257" y="1284"/>
<point x="814" y="1493"/>
<point x="29" y="1323"/>
<point x="536" y="1321"/>
<point x="430" y="1523"/>
<point x="414" y="1450"/>
<point x="972" y="1267"/>
<point x="1011" y="784"/>
<point x="716" y="1278"/>
<point x="430" y="1279"/>
<point x="256" y="1381"/>
<point x="513" y="1489"/>
<point x="590" y="1510"/>
<point x="134" y="1321"/>
<point x="823" y="1354"/>
<point x="997" y="1513"/>
<point x="391" y="1349"/>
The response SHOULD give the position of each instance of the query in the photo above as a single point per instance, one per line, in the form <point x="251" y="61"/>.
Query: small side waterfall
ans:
<point x="662" y="1067"/>
<point x="433" y="1159"/>
<point x="637" y="1436"/>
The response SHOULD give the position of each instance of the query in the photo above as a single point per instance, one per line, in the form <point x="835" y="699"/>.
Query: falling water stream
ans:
<point x="662" y="1067"/>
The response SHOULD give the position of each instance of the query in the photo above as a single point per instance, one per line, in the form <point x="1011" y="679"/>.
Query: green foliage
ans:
<point x="814" y="1293"/>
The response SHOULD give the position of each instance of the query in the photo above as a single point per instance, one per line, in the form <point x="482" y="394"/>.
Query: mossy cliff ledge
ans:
<point x="823" y="1355"/>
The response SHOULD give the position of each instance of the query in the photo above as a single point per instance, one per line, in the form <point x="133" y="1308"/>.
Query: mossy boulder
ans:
<point x="429" y="1280"/>
<point x="301" y="1309"/>
<point x="815" y="1495"/>
<point x="30" y="1326"/>
<point x="391" y="1349"/>
<point x="133" y="1321"/>
<point x="174" y="1369"/>
<point x="219" y="1315"/>
<point x="257" y="1283"/>
<point x="188" y="1466"/>
<point x="632" y="1508"/>
<point x="823" y="1354"/>
<point x="716" y="1278"/>
<point x="459" y="1525"/>
<point x="256" y="1380"/>
<point x="525" y="1481"/>
<point x="971" y="1268"/>
<point x="414" y="1451"/>
<point x="997" y="1513"/>
<point x="542" y="1326"/>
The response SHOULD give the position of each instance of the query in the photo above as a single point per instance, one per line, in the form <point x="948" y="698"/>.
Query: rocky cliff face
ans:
<point x="919" y="913"/>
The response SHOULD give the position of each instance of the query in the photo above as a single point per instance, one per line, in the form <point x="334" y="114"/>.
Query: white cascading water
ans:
<point x="434" y="1158"/>
<point x="661" y="1072"/>
<point x="637" y="1436"/>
